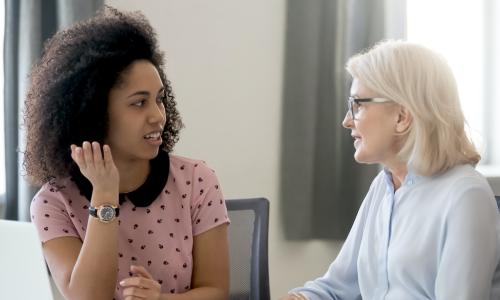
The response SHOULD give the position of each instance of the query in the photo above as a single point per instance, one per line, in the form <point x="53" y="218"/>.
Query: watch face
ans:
<point x="107" y="213"/>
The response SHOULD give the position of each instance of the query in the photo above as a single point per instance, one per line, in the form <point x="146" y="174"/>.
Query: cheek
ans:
<point x="376" y="137"/>
<point x="118" y="129"/>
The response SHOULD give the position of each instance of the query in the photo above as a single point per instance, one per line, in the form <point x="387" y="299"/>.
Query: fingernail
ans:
<point x="122" y="283"/>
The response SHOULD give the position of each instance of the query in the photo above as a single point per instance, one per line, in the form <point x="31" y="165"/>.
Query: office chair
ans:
<point x="248" y="235"/>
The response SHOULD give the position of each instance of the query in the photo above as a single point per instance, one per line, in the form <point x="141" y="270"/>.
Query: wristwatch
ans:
<point x="105" y="213"/>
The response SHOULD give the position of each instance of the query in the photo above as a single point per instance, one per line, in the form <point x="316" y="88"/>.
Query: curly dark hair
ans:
<point x="67" y="101"/>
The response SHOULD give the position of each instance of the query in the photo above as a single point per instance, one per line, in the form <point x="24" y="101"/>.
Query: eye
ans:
<point x="139" y="103"/>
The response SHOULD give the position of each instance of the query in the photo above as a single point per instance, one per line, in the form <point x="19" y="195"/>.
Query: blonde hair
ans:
<point x="421" y="81"/>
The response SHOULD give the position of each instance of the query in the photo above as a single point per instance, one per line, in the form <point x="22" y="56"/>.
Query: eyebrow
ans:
<point x="144" y="93"/>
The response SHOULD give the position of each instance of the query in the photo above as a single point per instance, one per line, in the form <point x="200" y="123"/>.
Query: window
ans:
<point x="465" y="33"/>
<point x="2" y="110"/>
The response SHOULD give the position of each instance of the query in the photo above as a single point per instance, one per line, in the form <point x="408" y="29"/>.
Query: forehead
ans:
<point x="140" y="73"/>
<point x="360" y="90"/>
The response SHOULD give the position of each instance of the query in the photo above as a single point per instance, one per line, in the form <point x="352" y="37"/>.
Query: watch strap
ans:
<point x="93" y="211"/>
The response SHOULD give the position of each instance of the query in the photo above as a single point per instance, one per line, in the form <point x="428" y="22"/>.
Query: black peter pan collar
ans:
<point x="146" y="193"/>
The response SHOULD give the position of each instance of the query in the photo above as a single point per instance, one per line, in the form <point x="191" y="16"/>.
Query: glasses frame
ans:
<point x="351" y="100"/>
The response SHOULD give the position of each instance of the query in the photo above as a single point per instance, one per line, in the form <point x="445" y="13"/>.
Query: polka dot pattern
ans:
<point x="158" y="237"/>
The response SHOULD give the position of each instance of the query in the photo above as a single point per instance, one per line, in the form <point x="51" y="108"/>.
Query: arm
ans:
<point x="211" y="267"/>
<point x="88" y="270"/>
<point x="210" y="273"/>
<point x="85" y="270"/>
<point x="341" y="278"/>
<point x="469" y="251"/>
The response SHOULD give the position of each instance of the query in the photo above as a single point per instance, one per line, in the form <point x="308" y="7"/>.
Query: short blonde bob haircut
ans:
<point x="421" y="81"/>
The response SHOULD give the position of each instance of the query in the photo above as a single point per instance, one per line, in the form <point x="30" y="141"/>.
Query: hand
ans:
<point x="99" y="169"/>
<point x="141" y="286"/>
<point x="294" y="296"/>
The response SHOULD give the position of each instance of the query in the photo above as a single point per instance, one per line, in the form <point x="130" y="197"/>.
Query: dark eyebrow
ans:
<point x="139" y="93"/>
<point x="144" y="93"/>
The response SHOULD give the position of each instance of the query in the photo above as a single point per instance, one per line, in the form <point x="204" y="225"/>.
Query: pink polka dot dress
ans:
<point x="157" y="235"/>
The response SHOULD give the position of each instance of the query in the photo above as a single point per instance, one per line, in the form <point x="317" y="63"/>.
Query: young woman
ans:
<point x="119" y="216"/>
<point x="429" y="226"/>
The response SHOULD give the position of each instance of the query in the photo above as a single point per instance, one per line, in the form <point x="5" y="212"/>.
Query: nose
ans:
<point x="348" y="122"/>
<point x="157" y="114"/>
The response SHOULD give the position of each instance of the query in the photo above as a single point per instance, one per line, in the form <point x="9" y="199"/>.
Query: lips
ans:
<point x="357" y="139"/>
<point x="153" y="135"/>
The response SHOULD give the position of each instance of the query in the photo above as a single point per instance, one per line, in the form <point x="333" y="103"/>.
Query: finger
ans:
<point x="132" y="298"/>
<point x="87" y="154"/>
<point x="96" y="150"/>
<point x="77" y="155"/>
<point x="299" y="296"/>
<point x="135" y="293"/>
<point x="141" y="271"/>
<point x="72" y="150"/>
<point x="135" y="281"/>
<point x="108" y="158"/>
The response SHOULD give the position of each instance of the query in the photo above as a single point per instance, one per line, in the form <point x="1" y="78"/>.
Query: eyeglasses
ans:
<point x="354" y="103"/>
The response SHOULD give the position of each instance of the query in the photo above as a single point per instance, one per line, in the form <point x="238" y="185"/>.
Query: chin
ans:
<point x="153" y="154"/>
<point x="146" y="155"/>
<point x="360" y="158"/>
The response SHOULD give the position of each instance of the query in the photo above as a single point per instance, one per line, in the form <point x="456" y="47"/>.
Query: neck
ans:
<point x="133" y="174"/>
<point x="399" y="170"/>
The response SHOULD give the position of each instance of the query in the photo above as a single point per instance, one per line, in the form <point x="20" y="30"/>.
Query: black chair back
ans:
<point x="248" y="250"/>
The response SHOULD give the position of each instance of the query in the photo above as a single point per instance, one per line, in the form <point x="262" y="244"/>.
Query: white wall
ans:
<point x="225" y="61"/>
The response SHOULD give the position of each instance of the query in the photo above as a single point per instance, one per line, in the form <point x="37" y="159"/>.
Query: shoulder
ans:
<point x="189" y="167"/>
<point x="55" y="192"/>
<point x="465" y="189"/>
<point x="177" y="160"/>
<point x="461" y="178"/>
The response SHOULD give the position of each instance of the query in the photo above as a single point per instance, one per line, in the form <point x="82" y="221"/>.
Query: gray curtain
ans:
<point x="322" y="186"/>
<point x="28" y="23"/>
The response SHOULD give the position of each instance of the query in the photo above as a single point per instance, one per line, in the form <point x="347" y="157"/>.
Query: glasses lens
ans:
<point x="351" y="104"/>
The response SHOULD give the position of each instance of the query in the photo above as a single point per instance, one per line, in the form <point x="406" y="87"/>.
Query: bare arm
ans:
<point x="210" y="273"/>
<point x="88" y="270"/>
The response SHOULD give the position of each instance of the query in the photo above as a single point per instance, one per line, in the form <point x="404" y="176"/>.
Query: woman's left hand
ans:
<point x="141" y="286"/>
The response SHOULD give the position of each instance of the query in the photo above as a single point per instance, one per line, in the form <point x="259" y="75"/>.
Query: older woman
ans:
<point x="429" y="227"/>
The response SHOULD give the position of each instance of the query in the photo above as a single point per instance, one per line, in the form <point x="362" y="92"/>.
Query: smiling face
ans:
<point x="374" y="130"/>
<point x="136" y="113"/>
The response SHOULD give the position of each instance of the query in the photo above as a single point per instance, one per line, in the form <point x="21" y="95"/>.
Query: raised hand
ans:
<point x="97" y="166"/>
<point x="141" y="286"/>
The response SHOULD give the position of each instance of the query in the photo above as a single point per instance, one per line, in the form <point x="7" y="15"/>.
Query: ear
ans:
<point x="404" y="121"/>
